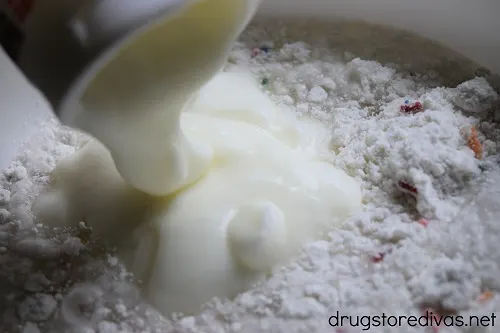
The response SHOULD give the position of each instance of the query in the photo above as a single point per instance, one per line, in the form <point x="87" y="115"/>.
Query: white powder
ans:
<point x="51" y="282"/>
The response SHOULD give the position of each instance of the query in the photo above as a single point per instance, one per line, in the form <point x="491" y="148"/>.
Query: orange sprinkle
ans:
<point x="486" y="296"/>
<point x="474" y="143"/>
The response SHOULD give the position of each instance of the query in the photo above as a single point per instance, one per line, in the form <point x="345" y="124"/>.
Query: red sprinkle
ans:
<point x="423" y="222"/>
<point x="404" y="186"/>
<point x="380" y="256"/>
<point x="255" y="52"/>
<point x="412" y="108"/>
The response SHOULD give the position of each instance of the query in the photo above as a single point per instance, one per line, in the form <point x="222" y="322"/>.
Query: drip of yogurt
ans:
<point x="133" y="103"/>
<point x="207" y="185"/>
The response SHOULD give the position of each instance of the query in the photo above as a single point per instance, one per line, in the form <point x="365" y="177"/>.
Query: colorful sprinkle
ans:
<point x="255" y="52"/>
<point x="406" y="187"/>
<point x="407" y="101"/>
<point x="265" y="81"/>
<point x="412" y="108"/>
<point x="380" y="256"/>
<point x="265" y="49"/>
<point x="486" y="296"/>
<point x="474" y="143"/>
<point x="423" y="222"/>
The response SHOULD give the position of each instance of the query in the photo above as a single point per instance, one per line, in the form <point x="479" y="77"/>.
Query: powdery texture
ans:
<point x="380" y="261"/>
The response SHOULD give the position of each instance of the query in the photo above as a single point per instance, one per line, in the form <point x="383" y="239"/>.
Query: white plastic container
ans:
<point x="468" y="27"/>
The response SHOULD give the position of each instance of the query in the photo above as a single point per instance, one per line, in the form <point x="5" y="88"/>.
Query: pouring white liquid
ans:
<point x="133" y="104"/>
<point x="235" y="185"/>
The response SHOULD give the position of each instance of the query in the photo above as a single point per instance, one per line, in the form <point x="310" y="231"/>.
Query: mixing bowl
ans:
<point x="469" y="28"/>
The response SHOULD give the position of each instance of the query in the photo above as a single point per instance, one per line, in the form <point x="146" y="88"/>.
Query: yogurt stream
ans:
<point x="201" y="190"/>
